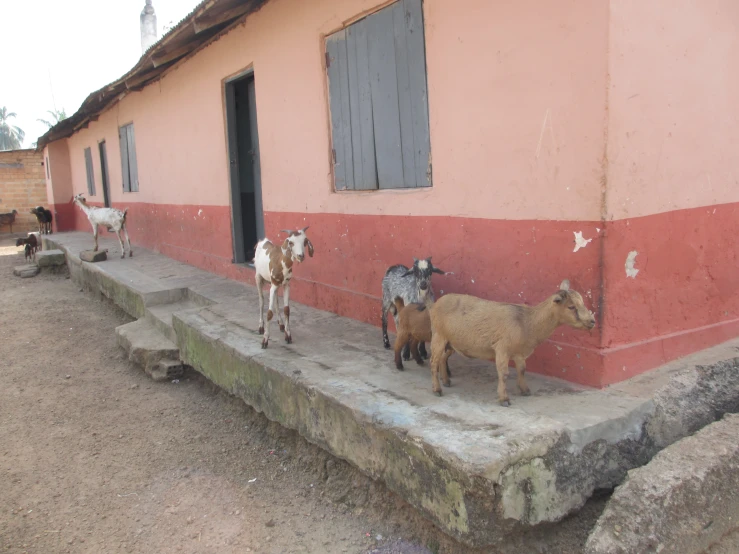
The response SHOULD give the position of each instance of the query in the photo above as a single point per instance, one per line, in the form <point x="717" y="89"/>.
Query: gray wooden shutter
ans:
<point x="379" y="101"/>
<point x="132" y="164"/>
<point x="123" y="141"/>
<point x="90" y="173"/>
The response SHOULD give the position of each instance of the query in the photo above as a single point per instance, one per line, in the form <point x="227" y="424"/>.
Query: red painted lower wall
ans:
<point x="684" y="297"/>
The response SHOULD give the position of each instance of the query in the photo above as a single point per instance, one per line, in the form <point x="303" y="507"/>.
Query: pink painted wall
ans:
<point x="673" y="128"/>
<point x="530" y="116"/>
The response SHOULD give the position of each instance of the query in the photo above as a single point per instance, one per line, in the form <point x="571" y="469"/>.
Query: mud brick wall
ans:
<point x="22" y="187"/>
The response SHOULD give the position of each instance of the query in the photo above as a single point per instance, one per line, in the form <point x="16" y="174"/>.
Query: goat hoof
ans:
<point x="448" y="383"/>
<point x="282" y="326"/>
<point x="288" y="339"/>
<point x="130" y="254"/>
<point x="265" y="343"/>
<point x="406" y="357"/>
<point x="399" y="367"/>
<point x="261" y="330"/>
<point x="526" y="392"/>
<point x="387" y="345"/>
<point x="438" y="393"/>
<point x="419" y="362"/>
<point x="505" y="403"/>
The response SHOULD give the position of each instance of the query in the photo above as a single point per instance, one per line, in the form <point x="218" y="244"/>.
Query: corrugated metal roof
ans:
<point x="207" y="22"/>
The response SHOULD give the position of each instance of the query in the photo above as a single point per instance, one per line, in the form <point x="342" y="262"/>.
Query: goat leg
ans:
<point x="286" y="301"/>
<point x="270" y="314"/>
<point x="123" y="251"/>
<point x="128" y="241"/>
<point x="400" y="341"/>
<point x="385" y="338"/>
<point x="437" y="351"/>
<point x="260" y="289"/>
<point x="280" y="322"/>
<point x="95" y="234"/>
<point x="414" y="351"/>
<point x="422" y="350"/>
<point x="501" y="364"/>
<point x="521" y="375"/>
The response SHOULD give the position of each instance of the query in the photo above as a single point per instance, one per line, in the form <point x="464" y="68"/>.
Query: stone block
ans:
<point x="680" y="502"/>
<point x="50" y="258"/>
<point x="25" y="271"/>
<point x="92" y="256"/>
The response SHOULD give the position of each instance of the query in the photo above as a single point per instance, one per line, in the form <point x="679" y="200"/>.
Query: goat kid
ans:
<point x="499" y="332"/>
<point x="31" y="246"/>
<point x="414" y="329"/>
<point x="274" y="265"/>
<point x="111" y="218"/>
<point x="412" y="285"/>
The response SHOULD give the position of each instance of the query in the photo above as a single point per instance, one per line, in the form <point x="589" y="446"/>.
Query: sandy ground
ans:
<point x="95" y="457"/>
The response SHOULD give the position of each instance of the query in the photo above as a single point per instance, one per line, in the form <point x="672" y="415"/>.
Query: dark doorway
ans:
<point x="104" y="173"/>
<point x="246" y="183"/>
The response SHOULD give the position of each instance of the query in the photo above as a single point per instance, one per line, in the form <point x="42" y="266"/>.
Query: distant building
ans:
<point x="519" y="143"/>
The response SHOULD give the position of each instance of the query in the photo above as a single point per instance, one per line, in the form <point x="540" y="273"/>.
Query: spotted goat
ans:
<point x="274" y="265"/>
<point x="412" y="285"/>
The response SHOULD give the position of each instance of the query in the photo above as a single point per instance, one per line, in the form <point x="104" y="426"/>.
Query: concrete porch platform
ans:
<point x="481" y="472"/>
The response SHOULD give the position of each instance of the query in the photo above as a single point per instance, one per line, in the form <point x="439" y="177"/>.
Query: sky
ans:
<point x="56" y="53"/>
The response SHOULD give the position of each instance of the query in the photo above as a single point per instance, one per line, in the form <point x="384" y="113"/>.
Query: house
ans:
<point x="519" y="143"/>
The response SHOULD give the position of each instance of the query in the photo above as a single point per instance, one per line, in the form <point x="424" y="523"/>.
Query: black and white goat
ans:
<point x="412" y="285"/>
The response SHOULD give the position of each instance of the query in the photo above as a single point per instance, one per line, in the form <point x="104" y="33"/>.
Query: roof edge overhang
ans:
<point x="209" y="21"/>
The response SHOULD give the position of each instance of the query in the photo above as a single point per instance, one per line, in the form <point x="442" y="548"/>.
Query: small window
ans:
<point x="90" y="173"/>
<point x="378" y="101"/>
<point x="128" y="159"/>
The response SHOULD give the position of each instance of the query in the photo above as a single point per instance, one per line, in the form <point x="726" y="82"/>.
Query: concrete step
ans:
<point x="160" y="316"/>
<point x="146" y="346"/>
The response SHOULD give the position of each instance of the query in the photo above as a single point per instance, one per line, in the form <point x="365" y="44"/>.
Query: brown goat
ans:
<point x="414" y="328"/>
<point x="486" y="330"/>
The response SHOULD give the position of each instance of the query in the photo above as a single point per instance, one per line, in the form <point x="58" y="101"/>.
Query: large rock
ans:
<point x="147" y="347"/>
<point x="50" y="258"/>
<point x="680" y="502"/>
<point x="25" y="271"/>
<point x="93" y="256"/>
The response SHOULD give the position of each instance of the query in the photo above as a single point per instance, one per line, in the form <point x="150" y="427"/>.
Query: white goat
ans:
<point x="274" y="265"/>
<point x="111" y="218"/>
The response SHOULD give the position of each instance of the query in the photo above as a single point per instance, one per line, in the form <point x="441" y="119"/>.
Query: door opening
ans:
<point x="246" y="184"/>
<point x="104" y="173"/>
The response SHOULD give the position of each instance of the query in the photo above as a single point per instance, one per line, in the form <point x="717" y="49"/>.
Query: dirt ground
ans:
<point x="95" y="457"/>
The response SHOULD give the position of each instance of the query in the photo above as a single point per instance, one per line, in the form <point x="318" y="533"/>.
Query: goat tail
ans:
<point x="399" y="304"/>
<point x="124" y="215"/>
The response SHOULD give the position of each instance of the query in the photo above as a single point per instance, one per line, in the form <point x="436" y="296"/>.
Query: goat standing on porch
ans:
<point x="274" y="265"/>
<point x="111" y="218"/>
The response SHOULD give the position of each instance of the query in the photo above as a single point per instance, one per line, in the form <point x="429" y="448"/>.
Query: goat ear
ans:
<point x="439" y="271"/>
<point x="309" y="244"/>
<point x="415" y="260"/>
<point x="565" y="285"/>
<point x="288" y="231"/>
<point x="560" y="296"/>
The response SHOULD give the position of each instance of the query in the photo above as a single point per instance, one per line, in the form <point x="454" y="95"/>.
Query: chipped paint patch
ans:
<point x="580" y="242"/>
<point x="630" y="260"/>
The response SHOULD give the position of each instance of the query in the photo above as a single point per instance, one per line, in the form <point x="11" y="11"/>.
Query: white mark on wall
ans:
<point x="200" y="212"/>
<point x="580" y="242"/>
<point x="597" y="229"/>
<point x="630" y="260"/>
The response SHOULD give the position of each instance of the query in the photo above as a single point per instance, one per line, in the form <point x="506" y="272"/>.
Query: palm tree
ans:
<point x="11" y="136"/>
<point x="57" y="116"/>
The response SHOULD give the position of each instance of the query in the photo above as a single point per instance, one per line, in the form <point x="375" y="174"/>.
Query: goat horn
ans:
<point x="288" y="231"/>
<point x="305" y="228"/>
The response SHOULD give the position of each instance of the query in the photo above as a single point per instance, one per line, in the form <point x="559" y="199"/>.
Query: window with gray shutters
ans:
<point x="90" y="172"/>
<point x="128" y="158"/>
<point x="379" y="102"/>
